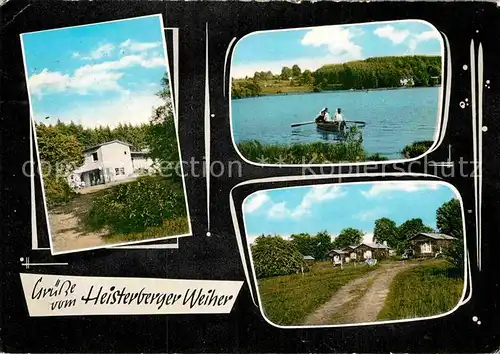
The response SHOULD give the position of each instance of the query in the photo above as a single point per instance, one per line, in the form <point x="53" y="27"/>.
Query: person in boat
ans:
<point x="323" y="116"/>
<point x="337" y="118"/>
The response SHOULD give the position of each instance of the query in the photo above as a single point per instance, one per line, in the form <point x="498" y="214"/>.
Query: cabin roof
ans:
<point x="106" y="143"/>
<point x="373" y="245"/>
<point x="309" y="257"/>
<point x="435" y="236"/>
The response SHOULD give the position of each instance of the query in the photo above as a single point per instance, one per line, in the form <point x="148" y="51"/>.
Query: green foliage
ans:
<point x="371" y="73"/>
<point x="296" y="71"/>
<point x="286" y="73"/>
<point x="386" y="231"/>
<point x="348" y="237"/>
<point x="245" y="88"/>
<point x="273" y="256"/>
<point x="416" y="149"/>
<point x="380" y="72"/>
<point x="422" y="291"/>
<point x="449" y="219"/>
<point x="316" y="246"/>
<point x="135" y="206"/>
<point x="161" y="135"/>
<point x="350" y="149"/>
<point x="57" y="191"/>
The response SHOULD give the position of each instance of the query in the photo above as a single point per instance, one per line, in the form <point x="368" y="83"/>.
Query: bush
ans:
<point x="348" y="150"/>
<point x="57" y="191"/>
<point x="416" y="149"/>
<point x="273" y="256"/>
<point x="135" y="206"/>
<point x="455" y="253"/>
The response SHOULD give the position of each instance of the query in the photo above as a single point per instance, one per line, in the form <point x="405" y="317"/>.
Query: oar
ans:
<point x="355" y="121"/>
<point x="303" y="123"/>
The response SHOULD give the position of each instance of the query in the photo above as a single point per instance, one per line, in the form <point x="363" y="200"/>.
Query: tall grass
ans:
<point x="350" y="149"/>
<point x="423" y="291"/>
<point x="288" y="299"/>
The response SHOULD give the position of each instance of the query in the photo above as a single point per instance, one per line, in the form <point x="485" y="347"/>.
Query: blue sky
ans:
<point x="335" y="207"/>
<point x="314" y="47"/>
<point x="97" y="74"/>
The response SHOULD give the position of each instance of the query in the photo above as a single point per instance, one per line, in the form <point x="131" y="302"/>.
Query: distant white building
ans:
<point x="109" y="162"/>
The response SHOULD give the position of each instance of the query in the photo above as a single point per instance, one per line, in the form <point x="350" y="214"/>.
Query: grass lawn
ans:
<point x="179" y="226"/>
<point x="288" y="299"/>
<point x="432" y="288"/>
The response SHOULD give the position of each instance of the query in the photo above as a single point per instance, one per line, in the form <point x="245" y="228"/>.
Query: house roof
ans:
<point x="309" y="257"/>
<point x="336" y="251"/>
<point x="435" y="236"/>
<point x="106" y="143"/>
<point x="373" y="245"/>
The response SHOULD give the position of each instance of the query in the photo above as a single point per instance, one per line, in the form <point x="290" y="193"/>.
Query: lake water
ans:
<point x="394" y="118"/>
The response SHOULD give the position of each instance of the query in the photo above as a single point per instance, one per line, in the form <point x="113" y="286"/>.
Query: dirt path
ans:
<point x="66" y="226"/>
<point x="359" y="300"/>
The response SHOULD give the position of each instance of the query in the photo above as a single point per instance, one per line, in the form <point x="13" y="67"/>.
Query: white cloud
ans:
<point x="104" y="50"/>
<point x="279" y="211"/>
<point x="134" y="108"/>
<point x="395" y="187"/>
<point x="422" y="37"/>
<point x="316" y="195"/>
<point x="90" y="78"/>
<point x="132" y="46"/>
<point x="338" y="40"/>
<point x="256" y="201"/>
<point x="369" y="214"/>
<point x="400" y="36"/>
<point x="390" y="32"/>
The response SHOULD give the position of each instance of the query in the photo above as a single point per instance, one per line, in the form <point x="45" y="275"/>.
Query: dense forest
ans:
<point x="371" y="73"/>
<point x="86" y="137"/>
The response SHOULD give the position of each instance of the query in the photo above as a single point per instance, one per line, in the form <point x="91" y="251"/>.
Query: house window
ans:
<point x="426" y="248"/>
<point x="122" y="170"/>
<point x="125" y="153"/>
<point x="94" y="156"/>
<point x="353" y="255"/>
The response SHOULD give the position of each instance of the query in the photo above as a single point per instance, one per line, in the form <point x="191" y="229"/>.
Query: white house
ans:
<point x="108" y="162"/>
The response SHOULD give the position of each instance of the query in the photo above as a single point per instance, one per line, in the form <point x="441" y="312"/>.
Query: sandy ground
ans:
<point x="66" y="227"/>
<point x="359" y="300"/>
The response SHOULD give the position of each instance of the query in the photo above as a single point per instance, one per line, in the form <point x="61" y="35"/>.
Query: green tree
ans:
<point x="296" y="71"/>
<point x="307" y="77"/>
<point x="161" y="136"/>
<point x="286" y="73"/>
<point x="409" y="229"/>
<point x="304" y="243"/>
<point x="386" y="231"/>
<point x="449" y="219"/>
<point x="348" y="237"/>
<point x="322" y="244"/>
<point x="273" y="256"/>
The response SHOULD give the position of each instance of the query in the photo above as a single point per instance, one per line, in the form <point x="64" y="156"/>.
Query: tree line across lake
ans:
<point x="274" y="256"/>
<point x="371" y="73"/>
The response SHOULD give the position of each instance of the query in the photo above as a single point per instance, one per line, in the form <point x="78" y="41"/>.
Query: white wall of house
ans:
<point x="116" y="161"/>
<point x="140" y="161"/>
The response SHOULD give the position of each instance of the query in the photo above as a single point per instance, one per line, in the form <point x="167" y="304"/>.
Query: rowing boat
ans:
<point x="331" y="126"/>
